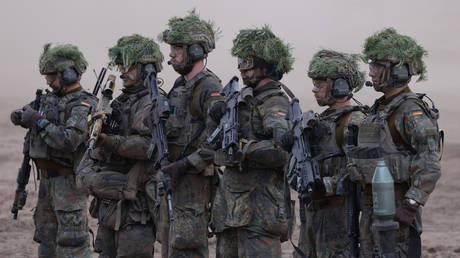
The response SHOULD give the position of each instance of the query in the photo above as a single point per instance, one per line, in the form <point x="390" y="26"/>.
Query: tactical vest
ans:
<point x="185" y="124"/>
<point x="375" y="132"/>
<point x="57" y="110"/>
<point x="327" y="149"/>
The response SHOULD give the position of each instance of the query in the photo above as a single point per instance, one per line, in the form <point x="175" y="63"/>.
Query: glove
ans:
<point x="101" y="140"/>
<point x="16" y="116"/>
<point x="287" y="141"/>
<point x="176" y="169"/>
<point x="217" y="111"/>
<point x="30" y="117"/>
<point x="406" y="213"/>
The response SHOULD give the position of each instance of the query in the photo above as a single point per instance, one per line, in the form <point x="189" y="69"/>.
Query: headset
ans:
<point x="341" y="88"/>
<point x="69" y="76"/>
<point x="195" y="52"/>
<point x="399" y="74"/>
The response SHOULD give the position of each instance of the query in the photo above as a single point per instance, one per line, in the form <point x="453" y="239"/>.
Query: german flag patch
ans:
<point x="85" y="104"/>
<point x="214" y="94"/>
<point x="281" y="113"/>
<point x="417" y="112"/>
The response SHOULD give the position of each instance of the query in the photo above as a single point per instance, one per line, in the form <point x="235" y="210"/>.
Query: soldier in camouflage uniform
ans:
<point x="334" y="75"/>
<point x="404" y="127"/>
<point x="249" y="214"/>
<point x="126" y="227"/>
<point x="187" y="128"/>
<point x="57" y="140"/>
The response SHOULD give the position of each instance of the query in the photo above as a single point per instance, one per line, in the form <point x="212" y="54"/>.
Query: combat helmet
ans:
<point x="400" y="50"/>
<point x="191" y="30"/>
<point x="334" y="65"/>
<point x="60" y="58"/>
<point x="254" y="45"/>
<point x="135" y="49"/>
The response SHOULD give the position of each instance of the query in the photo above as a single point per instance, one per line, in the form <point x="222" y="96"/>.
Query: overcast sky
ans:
<point x="342" y="25"/>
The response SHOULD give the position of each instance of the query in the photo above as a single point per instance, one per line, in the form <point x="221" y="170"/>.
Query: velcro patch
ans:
<point x="85" y="104"/>
<point x="214" y="94"/>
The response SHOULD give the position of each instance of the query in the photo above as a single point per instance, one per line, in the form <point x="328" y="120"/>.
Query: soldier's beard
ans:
<point x="252" y="81"/>
<point x="182" y="69"/>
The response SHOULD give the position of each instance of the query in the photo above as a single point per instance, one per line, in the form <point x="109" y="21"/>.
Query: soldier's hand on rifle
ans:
<point x="287" y="141"/>
<point x="30" y="117"/>
<point x="217" y="111"/>
<point x="406" y="213"/>
<point x="176" y="169"/>
<point x="16" y="116"/>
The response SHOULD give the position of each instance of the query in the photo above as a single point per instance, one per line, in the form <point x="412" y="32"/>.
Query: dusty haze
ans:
<point x="94" y="26"/>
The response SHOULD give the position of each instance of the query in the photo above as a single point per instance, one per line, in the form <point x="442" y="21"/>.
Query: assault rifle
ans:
<point x="230" y="122"/>
<point x="159" y="113"/>
<point x="353" y="195"/>
<point x="102" y="111"/>
<point x="100" y="79"/>
<point x="303" y="173"/>
<point x="20" y="196"/>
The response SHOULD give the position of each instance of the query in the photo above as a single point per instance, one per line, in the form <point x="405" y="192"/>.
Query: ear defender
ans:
<point x="340" y="88"/>
<point x="399" y="74"/>
<point x="69" y="77"/>
<point x="195" y="52"/>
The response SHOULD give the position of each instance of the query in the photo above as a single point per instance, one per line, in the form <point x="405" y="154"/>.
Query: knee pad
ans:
<point x="72" y="229"/>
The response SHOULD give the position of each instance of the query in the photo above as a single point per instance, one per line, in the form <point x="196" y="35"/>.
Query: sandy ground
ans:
<point x="441" y="237"/>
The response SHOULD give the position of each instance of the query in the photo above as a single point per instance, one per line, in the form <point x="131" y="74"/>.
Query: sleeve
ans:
<point x="206" y="96"/>
<point x="136" y="145"/>
<point x="73" y="132"/>
<point x="420" y="132"/>
<point x="268" y="152"/>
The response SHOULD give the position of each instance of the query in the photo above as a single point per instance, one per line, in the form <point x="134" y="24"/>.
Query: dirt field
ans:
<point x="441" y="237"/>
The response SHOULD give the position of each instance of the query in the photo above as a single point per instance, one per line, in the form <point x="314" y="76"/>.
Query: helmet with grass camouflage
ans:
<point x="191" y="30"/>
<point x="389" y="45"/>
<point x="333" y="65"/>
<point x="60" y="58"/>
<point x="263" y="44"/>
<point x="134" y="49"/>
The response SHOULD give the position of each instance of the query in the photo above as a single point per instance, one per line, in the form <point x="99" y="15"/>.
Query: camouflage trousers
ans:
<point x="239" y="242"/>
<point x="325" y="233"/>
<point x="135" y="240"/>
<point x="187" y="235"/>
<point x="408" y="243"/>
<point x="61" y="223"/>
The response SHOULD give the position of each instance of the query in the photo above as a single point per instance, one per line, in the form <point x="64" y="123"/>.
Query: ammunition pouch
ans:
<point x="50" y="169"/>
<point x="111" y="213"/>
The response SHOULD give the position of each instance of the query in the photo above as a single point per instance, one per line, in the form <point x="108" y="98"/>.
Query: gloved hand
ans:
<point x="30" y="117"/>
<point x="406" y="213"/>
<point x="101" y="139"/>
<point x="176" y="169"/>
<point x="16" y="116"/>
<point x="217" y="111"/>
<point x="287" y="141"/>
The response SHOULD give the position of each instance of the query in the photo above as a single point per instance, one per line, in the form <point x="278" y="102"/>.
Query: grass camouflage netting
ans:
<point x="133" y="49"/>
<point x="390" y="44"/>
<point x="61" y="57"/>
<point x="191" y="29"/>
<point x="262" y="43"/>
<point x="333" y="64"/>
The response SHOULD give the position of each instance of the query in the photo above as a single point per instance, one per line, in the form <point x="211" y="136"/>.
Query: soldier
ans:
<point x="187" y="128"/>
<point x="405" y="130"/>
<point x="126" y="227"/>
<point x="249" y="215"/>
<point x="335" y="75"/>
<point x="57" y="140"/>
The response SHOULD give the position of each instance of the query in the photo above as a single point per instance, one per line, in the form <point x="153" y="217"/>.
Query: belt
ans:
<point x="400" y="192"/>
<point x="325" y="203"/>
<point x="49" y="169"/>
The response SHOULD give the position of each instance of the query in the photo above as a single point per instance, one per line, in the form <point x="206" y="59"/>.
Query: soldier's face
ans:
<point x="177" y="54"/>
<point x="321" y="92"/>
<point x="376" y="71"/>
<point x="251" y="77"/>
<point x="53" y="81"/>
<point x="130" y="77"/>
